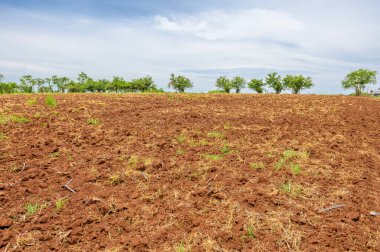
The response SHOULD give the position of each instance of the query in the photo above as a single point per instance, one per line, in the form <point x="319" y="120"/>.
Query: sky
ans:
<point x="200" y="39"/>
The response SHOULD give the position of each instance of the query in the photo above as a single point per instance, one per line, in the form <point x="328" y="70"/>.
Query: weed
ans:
<point x="37" y="115"/>
<point x="133" y="161"/>
<point x="31" y="209"/>
<point x="227" y="126"/>
<point x="180" y="247"/>
<point x="3" y="136"/>
<point x="93" y="121"/>
<point x="257" y="166"/>
<point x="280" y="164"/>
<point x="31" y="102"/>
<point x="50" y="101"/>
<point x="290" y="189"/>
<point x="295" y="168"/>
<point x="288" y="154"/>
<point x="180" y="151"/>
<point x="225" y="149"/>
<point x="115" y="179"/>
<point x="60" y="203"/>
<point x="250" y="232"/>
<point x="54" y="154"/>
<point x="4" y="119"/>
<point x="213" y="157"/>
<point x="19" y="119"/>
<point x="215" y="134"/>
<point x="181" y="139"/>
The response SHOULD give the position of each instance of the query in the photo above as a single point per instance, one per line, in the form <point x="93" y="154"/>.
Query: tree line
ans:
<point x="83" y="83"/>
<point x="356" y="80"/>
<point x="295" y="83"/>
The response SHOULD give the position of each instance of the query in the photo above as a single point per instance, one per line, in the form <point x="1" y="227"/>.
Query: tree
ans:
<point x="359" y="79"/>
<point x="296" y="83"/>
<point x="180" y="83"/>
<point x="273" y="80"/>
<point x="143" y="84"/>
<point x="27" y="83"/>
<point x="257" y="85"/>
<point x="61" y="83"/>
<point x="238" y="83"/>
<point x="224" y="84"/>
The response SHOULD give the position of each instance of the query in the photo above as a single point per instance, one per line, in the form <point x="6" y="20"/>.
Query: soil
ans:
<point x="170" y="172"/>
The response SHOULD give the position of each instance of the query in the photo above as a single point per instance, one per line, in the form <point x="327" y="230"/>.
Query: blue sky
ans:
<point x="199" y="39"/>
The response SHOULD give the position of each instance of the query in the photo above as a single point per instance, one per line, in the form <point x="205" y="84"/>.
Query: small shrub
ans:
<point x="180" y="248"/>
<point x="4" y="119"/>
<point x="50" y="101"/>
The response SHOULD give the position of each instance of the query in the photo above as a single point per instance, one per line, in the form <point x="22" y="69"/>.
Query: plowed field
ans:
<point x="169" y="172"/>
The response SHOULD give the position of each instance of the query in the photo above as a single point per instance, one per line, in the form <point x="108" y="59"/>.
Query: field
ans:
<point x="170" y="172"/>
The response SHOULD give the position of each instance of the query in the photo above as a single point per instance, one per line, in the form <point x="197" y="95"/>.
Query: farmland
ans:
<point x="189" y="172"/>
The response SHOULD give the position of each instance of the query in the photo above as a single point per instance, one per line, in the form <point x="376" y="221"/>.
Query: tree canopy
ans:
<point x="180" y="83"/>
<point x="359" y="79"/>
<point x="296" y="83"/>
<point x="224" y="84"/>
<point x="274" y="81"/>
<point x="257" y="85"/>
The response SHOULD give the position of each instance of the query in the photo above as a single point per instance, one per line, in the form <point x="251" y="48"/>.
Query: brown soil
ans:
<point x="189" y="173"/>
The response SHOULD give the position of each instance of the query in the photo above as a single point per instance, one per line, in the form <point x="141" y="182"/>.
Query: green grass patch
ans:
<point x="32" y="101"/>
<point x="60" y="203"/>
<point x="213" y="157"/>
<point x="257" y="166"/>
<point x="50" y="101"/>
<point x="93" y="121"/>
<point x="291" y="189"/>
<point x="215" y="134"/>
<point x="31" y="208"/>
<point x="3" y="136"/>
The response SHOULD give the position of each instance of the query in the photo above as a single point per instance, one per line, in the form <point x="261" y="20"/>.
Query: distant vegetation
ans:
<point x="83" y="83"/>
<point x="295" y="83"/>
<point x="356" y="80"/>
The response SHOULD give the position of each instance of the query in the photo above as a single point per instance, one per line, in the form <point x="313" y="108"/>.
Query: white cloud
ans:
<point x="233" y="25"/>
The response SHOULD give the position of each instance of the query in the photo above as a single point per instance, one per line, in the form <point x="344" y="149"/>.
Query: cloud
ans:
<point x="233" y="25"/>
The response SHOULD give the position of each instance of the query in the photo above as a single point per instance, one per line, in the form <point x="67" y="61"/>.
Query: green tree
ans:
<point x="180" y="83"/>
<point x="117" y="84"/>
<point x="257" y="85"/>
<point x="27" y="84"/>
<point x="224" y="84"/>
<point x="143" y="84"/>
<point x="238" y="83"/>
<point x="60" y="83"/>
<point x="296" y="83"/>
<point x="359" y="79"/>
<point x="274" y="81"/>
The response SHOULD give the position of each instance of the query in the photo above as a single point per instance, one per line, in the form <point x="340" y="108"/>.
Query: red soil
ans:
<point x="190" y="173"/>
